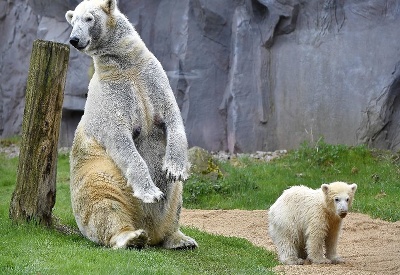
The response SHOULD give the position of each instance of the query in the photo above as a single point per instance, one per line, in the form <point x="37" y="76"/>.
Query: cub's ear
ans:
<point x="353" y="187"/>
<point x="69" y="16"/>
<point x="108" y="6"/>
<point x="325" y="188"/>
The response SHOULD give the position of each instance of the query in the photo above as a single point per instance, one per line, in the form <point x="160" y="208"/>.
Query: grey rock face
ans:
<point x="248" y="75"/>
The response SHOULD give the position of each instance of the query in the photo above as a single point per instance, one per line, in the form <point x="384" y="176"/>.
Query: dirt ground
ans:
<point x="369" y="246"/>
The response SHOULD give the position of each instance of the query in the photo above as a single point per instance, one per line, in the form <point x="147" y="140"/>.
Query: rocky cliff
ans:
<point x="247" y="74"/>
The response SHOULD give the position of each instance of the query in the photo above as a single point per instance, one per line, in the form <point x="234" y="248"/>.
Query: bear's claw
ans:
<point x="175" y="172"/>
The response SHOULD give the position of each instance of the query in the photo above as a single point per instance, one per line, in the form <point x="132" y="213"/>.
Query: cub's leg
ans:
<point x="331" y="244"/>
<point x="315" y="247"/>
<point x="288" y="252"/>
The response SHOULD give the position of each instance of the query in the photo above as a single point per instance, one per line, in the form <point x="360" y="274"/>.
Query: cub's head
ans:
<point x="339" y="196"/>
<point x="90" y="22"/>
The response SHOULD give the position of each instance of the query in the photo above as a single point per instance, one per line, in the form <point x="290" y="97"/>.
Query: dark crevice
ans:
<point x="381" y="125"/>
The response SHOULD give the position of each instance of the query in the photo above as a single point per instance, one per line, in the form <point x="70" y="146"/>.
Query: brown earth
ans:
<point x="369" y="246"/>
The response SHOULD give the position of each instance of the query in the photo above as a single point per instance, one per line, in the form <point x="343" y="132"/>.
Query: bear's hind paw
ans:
<point x="129" y="239"/>
<point x="180" y="241"/>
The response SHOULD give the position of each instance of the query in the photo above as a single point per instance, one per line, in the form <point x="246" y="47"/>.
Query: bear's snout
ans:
<point x="342" y="211"/>
<point x="74" y="41"/>
<point x="77" y="43"/>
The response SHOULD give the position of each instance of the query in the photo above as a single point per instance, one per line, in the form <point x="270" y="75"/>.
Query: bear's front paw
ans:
<point x="149" y="195"/>
<point x="174" y="169"/>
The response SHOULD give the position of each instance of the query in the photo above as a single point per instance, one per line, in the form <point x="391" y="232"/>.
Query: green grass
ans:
<point x="246" y="184"/>
<point x="251" y="184"/>
<point x="15" y="140"/>
<point x="30" y="249"/>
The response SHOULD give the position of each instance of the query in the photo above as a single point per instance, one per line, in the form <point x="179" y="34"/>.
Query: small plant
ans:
<point x="212" y="167"/>
<point x="321" y="154"/>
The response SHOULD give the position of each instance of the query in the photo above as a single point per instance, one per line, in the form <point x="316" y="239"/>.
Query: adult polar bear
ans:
<point x="303" y="221"/>
<point x="130" y="149"/>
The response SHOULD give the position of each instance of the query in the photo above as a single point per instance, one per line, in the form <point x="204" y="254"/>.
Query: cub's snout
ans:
<point x="343" y="214"/>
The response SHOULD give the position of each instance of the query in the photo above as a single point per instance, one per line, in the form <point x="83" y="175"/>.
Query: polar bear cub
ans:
<point x="130" y="150"/>
<point x="303" y="222"/>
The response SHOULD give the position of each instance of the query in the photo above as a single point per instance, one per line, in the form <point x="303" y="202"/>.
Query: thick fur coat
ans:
<point x="303" y="222"/>
<point x="130" y="149"/>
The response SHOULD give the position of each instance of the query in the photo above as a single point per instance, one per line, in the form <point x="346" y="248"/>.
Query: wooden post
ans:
<point x="35" y="191"/>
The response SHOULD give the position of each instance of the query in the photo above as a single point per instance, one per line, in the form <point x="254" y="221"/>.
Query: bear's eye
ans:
<point x="89" y="18"/>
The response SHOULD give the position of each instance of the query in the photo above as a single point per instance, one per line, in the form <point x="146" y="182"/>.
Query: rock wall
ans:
<point x="248" y="75"/>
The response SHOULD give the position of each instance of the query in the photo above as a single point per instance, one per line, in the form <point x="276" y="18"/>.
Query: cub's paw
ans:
<point x="337" y="260"/>
<point x="149" y="195"/>
<point x="293" y="261"/>
<point x="320" y="261"/>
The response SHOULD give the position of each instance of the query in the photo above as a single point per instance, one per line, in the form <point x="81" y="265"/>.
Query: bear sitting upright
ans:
<point x="303" y="221"/>
<point x="129" y="152"/>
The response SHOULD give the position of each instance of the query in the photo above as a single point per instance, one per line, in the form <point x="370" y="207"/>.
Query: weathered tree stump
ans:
<point x="35" y="191"/>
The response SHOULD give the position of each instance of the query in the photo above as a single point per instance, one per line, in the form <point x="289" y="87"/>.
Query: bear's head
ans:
<point x="92" y="21"/>
<point x="339" y="196"/>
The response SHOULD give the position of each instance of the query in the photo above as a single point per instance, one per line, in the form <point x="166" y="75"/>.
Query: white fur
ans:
<point x="130" y="147"/>
<point x="303" y="221"/>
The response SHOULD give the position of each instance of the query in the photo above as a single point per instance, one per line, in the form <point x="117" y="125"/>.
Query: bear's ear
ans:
<point x="109" y="6"/>
<point x="353" y="187"/>
<point x="325" y="188"/>
<point x="69" y="16"/>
